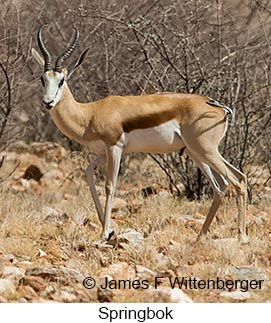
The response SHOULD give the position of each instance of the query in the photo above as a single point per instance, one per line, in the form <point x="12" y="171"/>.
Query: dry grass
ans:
<point x="169" y="246"/>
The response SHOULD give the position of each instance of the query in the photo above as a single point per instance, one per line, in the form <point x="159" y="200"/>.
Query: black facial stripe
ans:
<point x="61" y="83"/>
<point x="42" y="80"/>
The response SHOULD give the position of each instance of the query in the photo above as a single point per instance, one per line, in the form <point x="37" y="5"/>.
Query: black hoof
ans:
<point x="110" y="235"/>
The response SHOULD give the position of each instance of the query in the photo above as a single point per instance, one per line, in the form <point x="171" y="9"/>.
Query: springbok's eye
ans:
<point x="42" y="80"/>
<point x="61" y="83"/>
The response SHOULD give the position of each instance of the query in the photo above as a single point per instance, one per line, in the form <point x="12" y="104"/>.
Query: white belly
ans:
<point x="164" y="138"/>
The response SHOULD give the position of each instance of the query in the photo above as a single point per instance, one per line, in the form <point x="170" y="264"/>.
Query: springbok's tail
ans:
<point x="214" y="103"/>
<point x="228" y="110"/>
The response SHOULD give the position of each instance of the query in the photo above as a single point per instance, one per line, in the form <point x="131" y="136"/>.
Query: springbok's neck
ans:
<point x="72" y="117"/>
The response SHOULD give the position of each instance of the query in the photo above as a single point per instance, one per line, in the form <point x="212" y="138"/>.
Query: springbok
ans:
<point x="154" y="123"/>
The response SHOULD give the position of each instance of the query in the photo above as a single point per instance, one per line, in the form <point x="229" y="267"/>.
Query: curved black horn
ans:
<point x="45" y="53"/>
<point x="61" y="59"/>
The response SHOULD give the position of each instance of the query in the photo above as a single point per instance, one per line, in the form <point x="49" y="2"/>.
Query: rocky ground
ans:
<point x="48" y="229"/>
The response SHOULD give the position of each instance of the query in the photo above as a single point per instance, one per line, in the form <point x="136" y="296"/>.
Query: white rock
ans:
<point x="131" y="237"/>
<point x="7" y="287"/>
<point x="42" y="253"/>
<point x="236" y="295"/>
<point x="121" y="270"/>
<point x="162" y="261"/>
<point x="66" y="297"/>
<point x="144" y="273"/>
<point x="13" y="273"/>
<point x="178" y="296"/>
<point x="246" y="272"/>
<point x="9" y="257"/>
<point x="174" y="295"/>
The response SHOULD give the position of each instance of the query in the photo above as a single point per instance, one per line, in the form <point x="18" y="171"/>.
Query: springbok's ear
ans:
<point x="76" y="63"/>
<point x="37" y="57"/>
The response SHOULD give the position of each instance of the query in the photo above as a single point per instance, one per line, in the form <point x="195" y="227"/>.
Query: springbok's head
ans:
<point x="54" y="77"/>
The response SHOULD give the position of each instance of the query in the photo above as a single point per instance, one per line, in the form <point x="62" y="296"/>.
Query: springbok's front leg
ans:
<point x="113" y="164"/>
<point x="96" y="163"/>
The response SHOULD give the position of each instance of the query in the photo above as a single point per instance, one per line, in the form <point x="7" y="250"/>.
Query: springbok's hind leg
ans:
<point x="218" y="190"/>
<point x="239" y="181"/>
<point x="219" y="186"/>
<point x="222" y="170"/>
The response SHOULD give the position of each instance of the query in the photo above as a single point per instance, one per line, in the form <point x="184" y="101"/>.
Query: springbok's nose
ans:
<point x="48" y="104"/>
